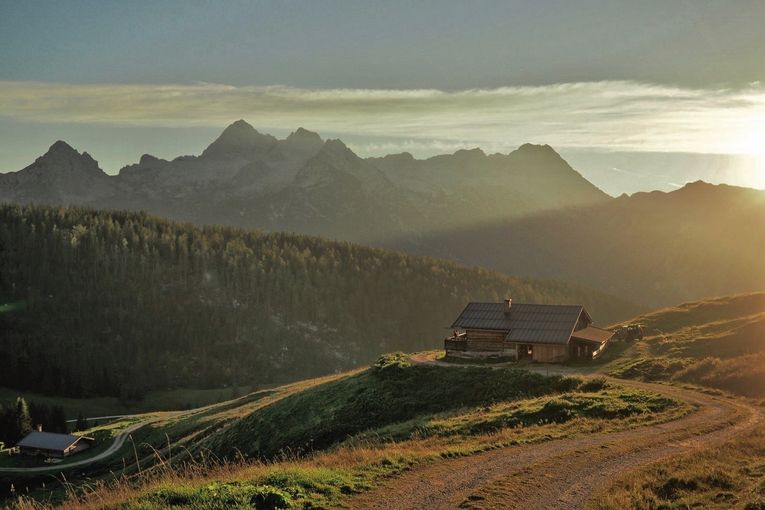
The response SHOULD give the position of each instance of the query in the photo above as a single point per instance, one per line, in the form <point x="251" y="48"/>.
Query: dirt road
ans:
<point x="563" y="473"/>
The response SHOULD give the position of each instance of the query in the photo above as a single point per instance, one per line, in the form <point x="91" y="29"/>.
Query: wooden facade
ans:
<point x="477" y="343"/>
<point x="539" y="333"/>
<point x="49" y="444"/>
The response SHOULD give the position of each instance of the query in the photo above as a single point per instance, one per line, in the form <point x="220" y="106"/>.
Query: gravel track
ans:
<point x="563" y="473"/>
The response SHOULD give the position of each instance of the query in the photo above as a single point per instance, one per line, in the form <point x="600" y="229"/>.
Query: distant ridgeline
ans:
<point x="527" y="213"/>
<point x="119" y="303"/>
<point x="309" y="185"/>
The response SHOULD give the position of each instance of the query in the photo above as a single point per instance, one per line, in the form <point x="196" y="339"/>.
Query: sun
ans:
<point x="759" y="177"/>
<point x="754" y="170"/>
<point x="759" y="165"/>
<point x="751" y="145"/>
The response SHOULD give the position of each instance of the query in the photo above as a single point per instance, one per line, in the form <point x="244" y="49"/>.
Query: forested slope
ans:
<point x="117" y="303"/>
<point x="655" y="248"/>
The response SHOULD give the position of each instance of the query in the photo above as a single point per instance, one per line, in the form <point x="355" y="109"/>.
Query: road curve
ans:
<point x="563" y="473"/>
<point x="119" y="441"/>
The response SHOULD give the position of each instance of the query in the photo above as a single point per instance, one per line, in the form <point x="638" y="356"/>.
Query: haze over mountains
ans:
<point x="309" y="185"/>
<point x="526" y="213"/>
<point x="653" y="248"/>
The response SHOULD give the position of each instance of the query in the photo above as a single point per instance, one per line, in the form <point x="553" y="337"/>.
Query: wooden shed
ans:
<point x="50" y="444"/>
<point x="544" y="333"/>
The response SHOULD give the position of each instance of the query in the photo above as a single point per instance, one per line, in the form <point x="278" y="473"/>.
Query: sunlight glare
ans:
<point x="752" y="144"/>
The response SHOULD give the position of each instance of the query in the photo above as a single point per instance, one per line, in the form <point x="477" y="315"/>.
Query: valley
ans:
<point x="246" y="350"/>
<point x="414" y="431"/>
<point x="322" y="255"/>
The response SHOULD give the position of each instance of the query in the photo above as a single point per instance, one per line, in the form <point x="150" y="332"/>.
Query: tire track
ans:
<point x="563" y="473"/>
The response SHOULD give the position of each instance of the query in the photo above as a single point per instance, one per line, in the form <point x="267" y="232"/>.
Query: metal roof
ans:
<point x="48" y="441"/>
<point x="528" y="323"/>
<point x="593" y="334"/>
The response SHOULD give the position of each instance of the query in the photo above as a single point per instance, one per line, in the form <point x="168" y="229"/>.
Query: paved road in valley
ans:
<point x="119" y="441"/>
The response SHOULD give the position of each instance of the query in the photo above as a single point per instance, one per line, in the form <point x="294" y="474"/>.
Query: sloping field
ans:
<point x="718" y="343"/>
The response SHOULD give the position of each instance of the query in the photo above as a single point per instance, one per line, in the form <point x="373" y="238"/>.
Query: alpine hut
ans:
<point x="543" y="333"/>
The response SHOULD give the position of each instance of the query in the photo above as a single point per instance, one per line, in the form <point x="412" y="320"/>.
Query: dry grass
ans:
<point x="326" y="478"/>
<point x="718" y="343"/>
<point x="731" y="475"/>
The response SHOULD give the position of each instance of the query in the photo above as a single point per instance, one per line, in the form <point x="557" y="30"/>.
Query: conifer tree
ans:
<point x="81" y="424"/>
<point x="23" y="421"/>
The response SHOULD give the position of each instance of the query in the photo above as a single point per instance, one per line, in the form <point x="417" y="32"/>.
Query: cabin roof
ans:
<point x="593" y="334"/>
<point x="49" y="440"/>
<point x="531" y="323"/>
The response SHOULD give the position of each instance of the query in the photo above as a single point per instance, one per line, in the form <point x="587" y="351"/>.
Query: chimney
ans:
<point x="39" y="427"/>
<point x="508" y="305"/>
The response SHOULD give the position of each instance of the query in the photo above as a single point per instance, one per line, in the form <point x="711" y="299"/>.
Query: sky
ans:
<point x="639" y="95"/>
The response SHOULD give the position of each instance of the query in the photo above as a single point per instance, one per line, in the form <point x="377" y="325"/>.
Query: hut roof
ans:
<point x="593" y="334"/>
<point x="49" y="440"/>
<point x="529" y="323"/>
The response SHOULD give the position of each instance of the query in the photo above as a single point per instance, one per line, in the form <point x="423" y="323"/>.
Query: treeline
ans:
<point x="18" y="418"/>
<point x="119" y="303"/>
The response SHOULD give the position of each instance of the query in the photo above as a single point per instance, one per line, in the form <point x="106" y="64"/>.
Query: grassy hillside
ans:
<point x="718" y="343"/>
<point x="731" y="475"/>
<point x="329" y="439"/>
<point x="393" y="391"/>
<point x="108" y="303"/>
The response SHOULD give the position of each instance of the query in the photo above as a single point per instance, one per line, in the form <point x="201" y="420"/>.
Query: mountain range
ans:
<point x="526" y="213"/>
<point x="702" y="240"/>
<point x="309" y="185"/>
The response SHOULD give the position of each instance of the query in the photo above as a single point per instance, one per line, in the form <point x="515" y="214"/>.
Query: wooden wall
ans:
<point x="550" y="353"/>
<point x="582" y="322"/>
<point x="481" y="340"/>
<point x="483" y="343"/>
<point x="589" y="350"/>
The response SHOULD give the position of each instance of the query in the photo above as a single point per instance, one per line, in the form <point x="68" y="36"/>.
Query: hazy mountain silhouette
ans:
<point x="61" y="175"/>
<point x="655" y="248"/>
<point x="306" y="184"/>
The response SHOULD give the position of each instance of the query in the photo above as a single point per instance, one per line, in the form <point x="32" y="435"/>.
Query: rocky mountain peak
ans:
<point x="61" y="155"/>
<point x="401" y="157"/>
<point x="238" y="127"/>
<point x="531" y="148"/>
<point x="148" y="159"/>
<point x="470" y="153"/>
<point x="60" y="147"/>
<point x="335" y="146"/>
<point x="700" y="190"/>
<point x="542" y="156"/>
<point x="239" y="139"/>
<point x="302" y="134"/>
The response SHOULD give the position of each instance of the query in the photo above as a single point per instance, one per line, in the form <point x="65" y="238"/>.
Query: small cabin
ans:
<point x="520" y="331"/>
<point x="50" y="444"/>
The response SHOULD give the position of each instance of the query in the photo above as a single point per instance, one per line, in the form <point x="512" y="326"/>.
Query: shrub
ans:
<point x="594" y="384"/>
<point x="392" y="362"/>
<point x="697" y="371"/>
<point x="267" y="497"/>
<point x="672" y="488"/>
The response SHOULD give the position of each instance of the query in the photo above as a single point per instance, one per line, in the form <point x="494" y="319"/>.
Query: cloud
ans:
<point x="609" y="115"/>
